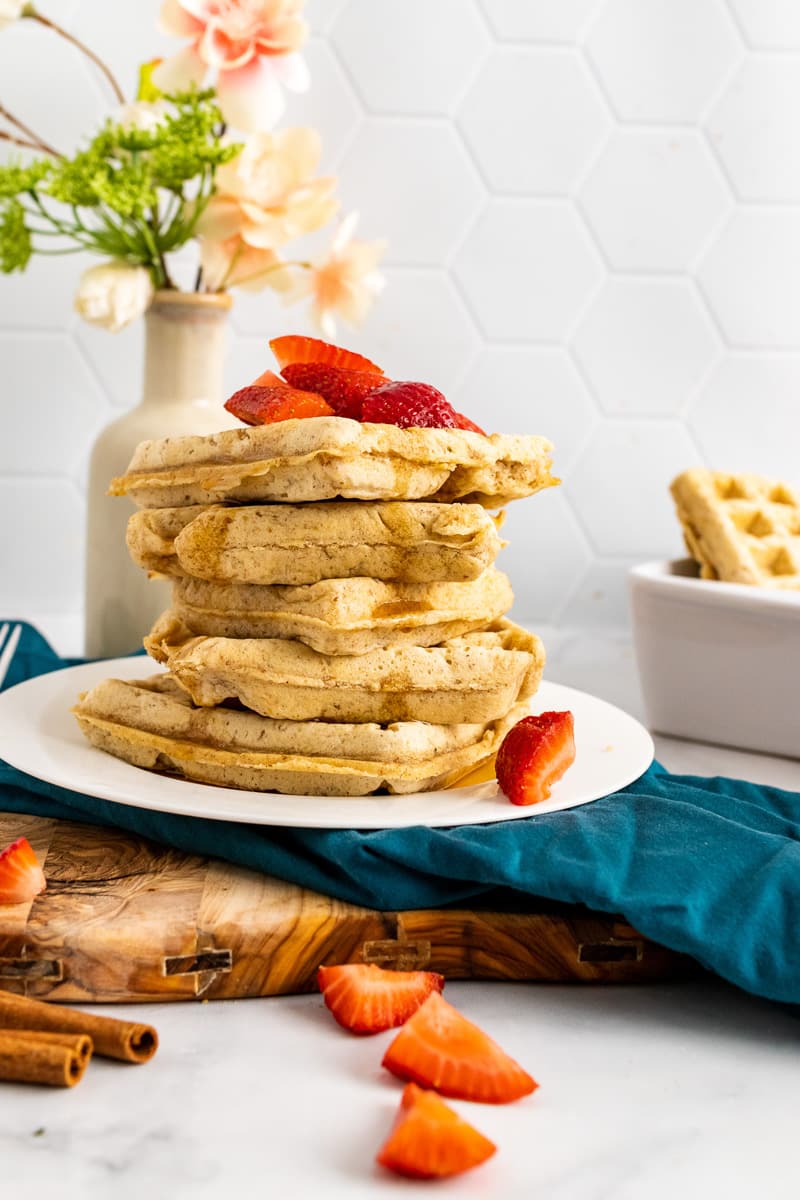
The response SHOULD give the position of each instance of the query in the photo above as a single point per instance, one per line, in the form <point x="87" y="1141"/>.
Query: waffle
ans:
<point x="153" y="724"/>
<point x="325" y="457"/>
<point x="304" y="543"/>
<point x="740" y="528"/>
<point x="343" y="616"/>
<point x="474" y="678"/>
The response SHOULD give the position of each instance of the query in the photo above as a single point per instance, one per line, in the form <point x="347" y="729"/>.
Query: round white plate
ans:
<point x="39" y="735"/>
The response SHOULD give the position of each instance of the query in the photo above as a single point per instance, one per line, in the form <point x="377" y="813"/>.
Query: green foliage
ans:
<point x="15" y="238"/>
<point x="133" y="193"/>
<point x="16" y="177"/>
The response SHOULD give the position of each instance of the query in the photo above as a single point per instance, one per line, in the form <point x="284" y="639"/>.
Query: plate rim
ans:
<point x="86" y="674"/>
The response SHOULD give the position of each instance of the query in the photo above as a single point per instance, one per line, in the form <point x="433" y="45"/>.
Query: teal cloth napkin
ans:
<point x="709" y="867"/>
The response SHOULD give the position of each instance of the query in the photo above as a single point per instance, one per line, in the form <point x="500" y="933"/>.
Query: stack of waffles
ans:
<point x="740" y="528"/>
<point x="338" y="623"/>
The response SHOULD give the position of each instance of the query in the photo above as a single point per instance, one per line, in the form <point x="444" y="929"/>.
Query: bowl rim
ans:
<point x="664" y="574"/>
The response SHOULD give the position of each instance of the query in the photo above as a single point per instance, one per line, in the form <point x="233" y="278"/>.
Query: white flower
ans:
<point x="113" y="294"/>
<point x="141" y="114"/>
<point x="11" y="10"/>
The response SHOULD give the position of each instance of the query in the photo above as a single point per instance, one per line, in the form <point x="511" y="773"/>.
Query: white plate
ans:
<point x="39" y="735"/>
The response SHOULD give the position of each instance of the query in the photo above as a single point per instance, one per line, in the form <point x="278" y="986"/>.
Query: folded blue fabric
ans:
<point x="710" y="867"/>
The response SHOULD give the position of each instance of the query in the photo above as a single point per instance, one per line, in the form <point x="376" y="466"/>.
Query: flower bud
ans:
<point x="113" y="294"/>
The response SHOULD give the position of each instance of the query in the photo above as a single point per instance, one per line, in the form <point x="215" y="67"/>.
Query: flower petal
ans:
<point x="223" y="52"/>
<point x="203" y="10"/>
<point x="345" y="232"/>
<point x="222" y="219"/>
<point x="250" y="97"/>
<point x="180" y="72"/>
<point x="215" y="259"/>
<point x="176" y="21"/>
<point x="301" y="149"/>
<point x="234" y="264"/>
<point x="292" y="71"/>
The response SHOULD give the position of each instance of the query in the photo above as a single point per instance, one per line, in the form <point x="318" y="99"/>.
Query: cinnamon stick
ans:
<point x="56" y="1059"/>
<point x="127" y="1041"/>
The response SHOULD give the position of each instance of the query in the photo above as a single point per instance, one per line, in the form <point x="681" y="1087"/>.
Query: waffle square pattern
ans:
<point x="740" y="528"/>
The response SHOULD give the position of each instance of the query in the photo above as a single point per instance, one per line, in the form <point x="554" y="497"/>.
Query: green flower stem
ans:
<point x="157" y="262"/>
<point x="52" y="253"/>
<point x="37" y="16"/>
<point x="77" y="232"/>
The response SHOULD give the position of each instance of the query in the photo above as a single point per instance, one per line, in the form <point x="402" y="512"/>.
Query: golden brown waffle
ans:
<point x="415" y="542"/>
<point x="740" y="528"/>
<point x="474" y="678"/>
<point x="153" y="724"/>
<point x="326" y="457"/>
<point x="343" y="616"/>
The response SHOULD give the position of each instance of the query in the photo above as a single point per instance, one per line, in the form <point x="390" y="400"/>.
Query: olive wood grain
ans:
<point x="124" y="920"/>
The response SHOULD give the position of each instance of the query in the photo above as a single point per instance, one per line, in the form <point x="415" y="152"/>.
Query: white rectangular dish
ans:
<point x="718" y="662"/>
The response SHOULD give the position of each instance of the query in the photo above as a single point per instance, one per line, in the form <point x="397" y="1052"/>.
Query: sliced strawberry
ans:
<point x="260" y="405"/>
<point x="344" y="390"/>
<point x="465" y="423"/>
<point x="409" y="405"/>
<point x="367" y="999"/>
<point x="21" y="877"/>
<point x="269" y="379"/>
<point x="430" y="1141"/>
<point x="295" y="349"/>
<point x="534" y="754"/>
<point x="439" y="1048"/>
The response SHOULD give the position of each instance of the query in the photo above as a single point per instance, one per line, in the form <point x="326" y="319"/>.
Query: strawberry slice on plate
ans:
<point x="344" y="389"/>
<point x="295" y="349"/>
<point x="431" y="1141"/>
<point x="264" y="404"/>
<point x="21" y="877"/>
<point x="439" y="1048"/>
<point x="534" y="754"/>
<point x="367" y="999"/>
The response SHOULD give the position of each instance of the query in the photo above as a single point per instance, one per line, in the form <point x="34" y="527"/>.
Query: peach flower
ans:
<point x="345" y="282"/>
<point x="252" y="44"/>
<point x="267" y="194"/>
<point x="232" y="263"/>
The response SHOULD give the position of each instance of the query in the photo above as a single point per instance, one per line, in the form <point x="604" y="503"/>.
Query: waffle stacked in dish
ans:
<point x="338" y="623"/>
<point x="740" y="528"/>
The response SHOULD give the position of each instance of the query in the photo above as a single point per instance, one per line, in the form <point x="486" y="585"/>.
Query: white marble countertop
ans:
<point x="648" y="1092"/>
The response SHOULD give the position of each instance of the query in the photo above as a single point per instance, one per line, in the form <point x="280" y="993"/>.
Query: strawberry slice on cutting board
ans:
<point x="367" y="999"/>
<point x="431" y="1141"/>
<point x="438" y="1048"/>
<point x="21" y="877"/>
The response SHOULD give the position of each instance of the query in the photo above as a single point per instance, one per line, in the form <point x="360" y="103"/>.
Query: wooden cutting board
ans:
<point x="123" y="919"/>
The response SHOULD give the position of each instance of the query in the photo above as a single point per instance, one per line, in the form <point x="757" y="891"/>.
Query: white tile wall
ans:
<point x="594" y="215"/>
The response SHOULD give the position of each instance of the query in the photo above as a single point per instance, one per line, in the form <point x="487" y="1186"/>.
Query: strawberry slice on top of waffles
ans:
<point x="318" y="379"/>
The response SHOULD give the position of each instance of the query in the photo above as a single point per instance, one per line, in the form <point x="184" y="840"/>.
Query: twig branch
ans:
<point x="35" y="142"/>
<point x="18" y="141"/>
<point x="37" y="16"/>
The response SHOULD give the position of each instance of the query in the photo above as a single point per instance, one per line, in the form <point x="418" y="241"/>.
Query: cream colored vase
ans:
<point x="182" y="394"/>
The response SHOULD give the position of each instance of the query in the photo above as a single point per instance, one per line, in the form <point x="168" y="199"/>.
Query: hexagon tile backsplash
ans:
<point x="593" y="210"/>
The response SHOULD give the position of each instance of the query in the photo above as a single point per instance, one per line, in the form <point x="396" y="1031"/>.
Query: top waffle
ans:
<point x="304" y="460"/>
<point x="740" y="528"/>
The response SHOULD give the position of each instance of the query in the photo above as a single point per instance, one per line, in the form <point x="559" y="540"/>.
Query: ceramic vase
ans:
<point x="182" y="394"/>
